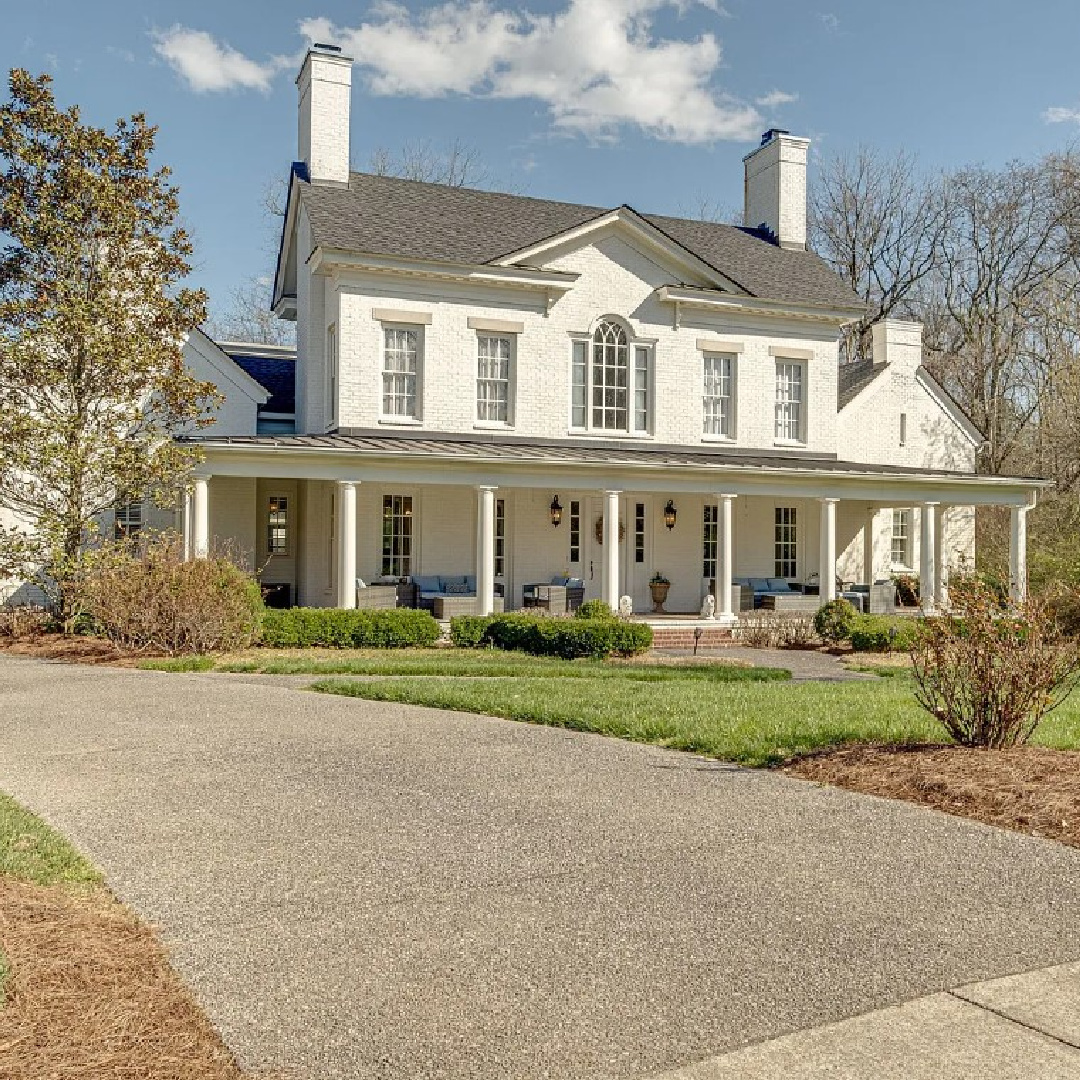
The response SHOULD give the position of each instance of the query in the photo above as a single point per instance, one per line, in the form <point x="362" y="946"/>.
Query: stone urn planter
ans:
<point x="659" y="587"/>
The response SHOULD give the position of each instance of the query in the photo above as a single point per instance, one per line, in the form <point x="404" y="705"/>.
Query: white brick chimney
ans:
<point x="325" y="85"/>
<point x="898" y="343"/>
<point x="775" y="190"/>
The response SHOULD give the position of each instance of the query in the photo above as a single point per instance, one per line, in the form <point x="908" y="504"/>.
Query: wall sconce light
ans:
<point x="556" y="512"/>
<point x="670" y="514"/>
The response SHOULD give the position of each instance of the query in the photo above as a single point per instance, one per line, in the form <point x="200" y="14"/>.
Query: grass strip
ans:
<point x="753" y="723"/>
<point x="32" y="851"/>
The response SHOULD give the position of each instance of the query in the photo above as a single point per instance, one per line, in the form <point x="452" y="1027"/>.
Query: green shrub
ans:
<point x="883" y="633"/>
<point x="834" y="620"/>
<point x="595" y="609"/>
<point x="567" y="639"/>
<point x="339" y="628"/>
<point x="146" y="598"/>
<point x="468" y="631"/>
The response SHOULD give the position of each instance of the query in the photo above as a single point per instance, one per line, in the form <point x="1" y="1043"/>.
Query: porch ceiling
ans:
<point x="591" y="464"/>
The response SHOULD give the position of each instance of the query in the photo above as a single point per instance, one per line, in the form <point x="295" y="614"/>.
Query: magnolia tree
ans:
<point x="92" y="323"/>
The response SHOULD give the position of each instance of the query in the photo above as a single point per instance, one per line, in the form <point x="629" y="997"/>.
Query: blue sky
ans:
<point x="597" y="101"/>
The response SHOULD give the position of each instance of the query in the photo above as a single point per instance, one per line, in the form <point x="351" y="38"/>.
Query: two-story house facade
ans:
<point x="508" y="389"/>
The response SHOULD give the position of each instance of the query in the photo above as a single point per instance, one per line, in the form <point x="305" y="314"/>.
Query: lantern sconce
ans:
<point x="556" y="512"/>
<point x="670" y="514"/>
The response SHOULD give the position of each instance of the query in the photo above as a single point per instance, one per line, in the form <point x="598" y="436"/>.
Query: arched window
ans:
<point x="610" y="381"/>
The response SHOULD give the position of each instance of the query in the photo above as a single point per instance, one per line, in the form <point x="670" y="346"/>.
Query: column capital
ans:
<point x="348" y="483"/>
<point x="931" y="502"/>
<point x="612" y="491"/>
<point x="200" y="477"/>
<point x="487" y="487"/>
<point x="828" y="499"/>
<point x="725" y="497"/>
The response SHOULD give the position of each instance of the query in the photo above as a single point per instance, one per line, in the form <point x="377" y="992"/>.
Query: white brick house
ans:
<point x="468" y="360"/>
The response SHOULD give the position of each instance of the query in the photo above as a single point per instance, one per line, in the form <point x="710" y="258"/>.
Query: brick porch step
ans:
<point x="682" y="637"/>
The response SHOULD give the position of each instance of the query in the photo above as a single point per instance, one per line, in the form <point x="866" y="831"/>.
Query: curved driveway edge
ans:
<point x="362" y="889"/>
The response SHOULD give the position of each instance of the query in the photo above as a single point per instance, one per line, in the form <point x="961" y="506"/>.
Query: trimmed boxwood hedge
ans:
<point x="543" y="635"/>
<point x="882" y="633"/>
<point x="339" y="628"/>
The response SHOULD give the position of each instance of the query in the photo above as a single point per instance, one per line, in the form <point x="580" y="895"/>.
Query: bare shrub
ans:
<point x="991" y="671"/>
<point x="758" y="629"/>
<point x="796" y="630"/>
<point x="145" y="598"/>
<point x="19" y="621"/>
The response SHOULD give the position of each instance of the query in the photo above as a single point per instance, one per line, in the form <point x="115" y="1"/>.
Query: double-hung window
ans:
<point x="402" y="358"/>
<point x="277" y="525"/>
<point x="500" y="538"/>
<point x="790" y="401"/>
<point x="397" y="535"/>
<point x="494" y="356"/>
<point x="718" y="399"/>
<point x="610" y="382"/>
<point x="128" y="519"/>
<point x="708" y="541"/>
<point x="901" y="538"/>
<point x="785" y="541"/>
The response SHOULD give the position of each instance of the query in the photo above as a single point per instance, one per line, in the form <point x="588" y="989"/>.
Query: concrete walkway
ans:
<point x="366" y="890"/>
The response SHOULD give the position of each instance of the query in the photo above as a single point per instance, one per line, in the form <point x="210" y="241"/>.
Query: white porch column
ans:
<point x="485" y="550"/>
<point x="725" y="569"/>
<point x="939" y="557"/>
<point x="186" y="523"/>
<point x="200" y="516"/>
<point x="1018" y="554"/>
<point x="827" y="552"/>
<point x="928" y="555"/>
<point x="611" y="549"/>
<point x="868" y="546"/>
<point x="346" y="543"/>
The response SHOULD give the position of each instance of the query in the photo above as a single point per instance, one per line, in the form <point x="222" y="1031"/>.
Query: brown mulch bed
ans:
<point x="73" y="648"/>
<point x="91" y="995"/>
<point x="1030" y="789"/>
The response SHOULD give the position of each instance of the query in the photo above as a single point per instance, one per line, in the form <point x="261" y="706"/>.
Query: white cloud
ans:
<point x="774" y="98"/>
<point x="207" y="65"/>
<point x="1058" y="114"/>
<point x="596" y="65"/>
<point x="830" y="21"/>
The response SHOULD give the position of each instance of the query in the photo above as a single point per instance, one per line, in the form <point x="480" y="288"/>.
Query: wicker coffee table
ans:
<point x="446" y="607"/>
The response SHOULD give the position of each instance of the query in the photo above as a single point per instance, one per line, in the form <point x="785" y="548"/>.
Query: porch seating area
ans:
<point x="455" y="587"/>
<point x="876" y="599"/>
<point x="561" y="596"/>
<point x="753" y="592"/>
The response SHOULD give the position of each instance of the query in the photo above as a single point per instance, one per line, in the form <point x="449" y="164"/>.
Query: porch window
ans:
<point x="500" y="538"/>
<point x="493" y="379"/>
<point x="610" y="382"/>
<point x="639" y="532"/>
<point x="331" y="377"/>
<point x="277" y="525"/>
<point x="575" y="531"/>
<point x="401" y="368"/>
<point x="785" y="533"/>
<point x="718" y="400"/>
<point x="708" y="546"/>
<point x="128" y="520"/>
<point x="397" y="535"/>
<point x="790" y="388"/>
<point x="901" y="538"/>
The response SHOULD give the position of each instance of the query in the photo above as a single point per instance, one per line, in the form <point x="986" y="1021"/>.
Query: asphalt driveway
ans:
<point x="358" y="889"/>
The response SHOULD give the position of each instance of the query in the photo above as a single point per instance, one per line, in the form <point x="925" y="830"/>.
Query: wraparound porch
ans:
<point x="314" y="520"/>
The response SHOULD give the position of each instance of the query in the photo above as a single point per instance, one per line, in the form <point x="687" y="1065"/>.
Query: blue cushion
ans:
<point x="758" y="584"/>
<point x="779" y="584"/>
<point x="469" y="581"/>
<point x="427" y="583"/>
<point x="575" y="583"/>
<point x="559" y="579"/>
<point x="458" y="588"/>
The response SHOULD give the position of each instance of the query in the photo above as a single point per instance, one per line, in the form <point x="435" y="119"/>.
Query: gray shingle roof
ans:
<point x="854" y="378"/>
<point x="382" y="215"/>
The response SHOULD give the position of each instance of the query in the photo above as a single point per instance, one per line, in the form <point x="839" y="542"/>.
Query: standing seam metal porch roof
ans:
<point x="383" y="215"/>
<point x="562" y="453"/>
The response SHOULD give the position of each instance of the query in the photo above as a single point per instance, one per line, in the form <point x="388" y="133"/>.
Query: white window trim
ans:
<point x="799" y="362"/>
<point x="733" y="434"/>
<point x="511" y="381"/>
<point x="287" y="553"/>
<point x="333" y="375"/>
<point x="421" y="349"/>
<point x="909" y="539"/>
<point x="632" y="344"/>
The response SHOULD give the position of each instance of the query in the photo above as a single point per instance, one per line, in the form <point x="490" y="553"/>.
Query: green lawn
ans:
<point x="477" y="663"/>
<point x="754" y="723"/>
<point x="30" y="850"/>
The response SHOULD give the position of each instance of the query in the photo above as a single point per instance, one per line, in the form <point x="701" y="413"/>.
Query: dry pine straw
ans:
<point x="1030" y="789"/>
<point x="91" y="995"/>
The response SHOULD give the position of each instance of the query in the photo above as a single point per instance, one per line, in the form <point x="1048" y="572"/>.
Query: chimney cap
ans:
<point x="319" y="46"/>
<point x="772" y="133"/>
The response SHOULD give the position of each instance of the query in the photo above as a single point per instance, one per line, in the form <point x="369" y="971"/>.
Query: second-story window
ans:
<point x="401" y="371"/>
<point x="610" y="382"/>
<point x="719" y="395"/>
<point x="790" y="401"/>
<point x="493" y="378"/>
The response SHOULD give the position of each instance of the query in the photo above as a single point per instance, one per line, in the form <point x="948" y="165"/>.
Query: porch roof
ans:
<point x="508" y="451"/>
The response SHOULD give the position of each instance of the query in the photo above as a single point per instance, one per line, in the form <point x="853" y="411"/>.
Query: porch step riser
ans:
<point x="664" y="638"/>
